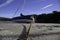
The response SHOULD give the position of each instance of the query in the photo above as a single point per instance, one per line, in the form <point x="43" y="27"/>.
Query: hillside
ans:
<point x="53" y="17"/>
<point x="5" y="19"/>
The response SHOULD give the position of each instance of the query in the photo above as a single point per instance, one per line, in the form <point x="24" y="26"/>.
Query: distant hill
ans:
<point x="53" y="17"/>
<point x="5" y="19"/>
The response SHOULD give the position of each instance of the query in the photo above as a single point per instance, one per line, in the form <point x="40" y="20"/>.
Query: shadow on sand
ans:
<point x="22" y="35"/>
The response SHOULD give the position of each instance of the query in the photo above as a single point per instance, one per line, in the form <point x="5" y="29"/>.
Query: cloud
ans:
<point x="5" y="3"/>
<point x="47" y="6"/>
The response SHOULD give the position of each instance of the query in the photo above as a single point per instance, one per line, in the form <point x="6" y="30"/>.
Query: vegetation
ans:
<point x="4" y="19"/>
<point x="53" y="17"/>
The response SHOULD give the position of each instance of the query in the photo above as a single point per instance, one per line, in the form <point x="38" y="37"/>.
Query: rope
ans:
<point x="27" y="34"/>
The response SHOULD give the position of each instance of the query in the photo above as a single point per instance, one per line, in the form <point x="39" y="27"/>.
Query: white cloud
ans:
<point x="7" y="2"/>
<point x="47" y="6"/>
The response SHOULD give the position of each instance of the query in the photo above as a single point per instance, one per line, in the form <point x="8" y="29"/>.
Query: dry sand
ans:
<point x="39" y="31"/>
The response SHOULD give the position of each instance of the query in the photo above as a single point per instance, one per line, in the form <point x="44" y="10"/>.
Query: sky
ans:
<point x="13" y="8"/>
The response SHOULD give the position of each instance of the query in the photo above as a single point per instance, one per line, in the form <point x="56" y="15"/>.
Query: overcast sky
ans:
<point x="27" y="7"/>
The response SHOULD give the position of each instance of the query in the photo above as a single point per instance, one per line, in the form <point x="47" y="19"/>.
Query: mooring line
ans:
<point x="27" y="33"/>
